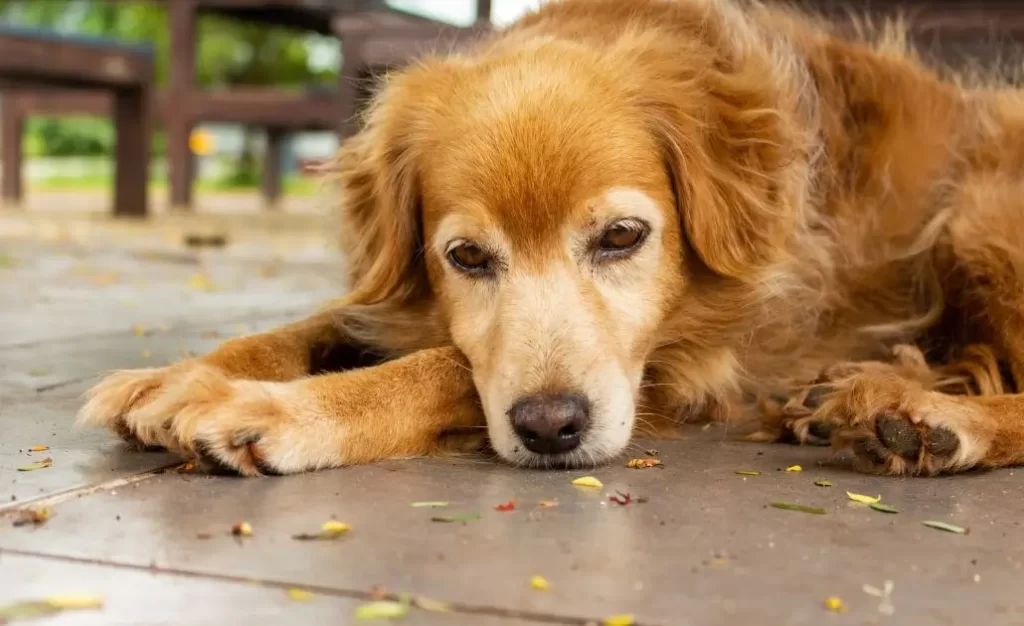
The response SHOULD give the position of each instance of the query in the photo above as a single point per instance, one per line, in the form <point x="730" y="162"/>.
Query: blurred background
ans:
<point x="226" y="106"/>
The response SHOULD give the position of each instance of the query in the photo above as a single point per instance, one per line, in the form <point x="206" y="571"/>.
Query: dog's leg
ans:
<point x="401" y="408"/>
<point x="261" y="384"/>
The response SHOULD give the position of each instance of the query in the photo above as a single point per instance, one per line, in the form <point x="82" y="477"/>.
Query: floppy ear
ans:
<point x="376" y="171"/>
<point x="736" y="158"/>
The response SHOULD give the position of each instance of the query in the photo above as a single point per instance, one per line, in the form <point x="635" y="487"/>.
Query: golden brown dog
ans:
<point x="618" y="214"/>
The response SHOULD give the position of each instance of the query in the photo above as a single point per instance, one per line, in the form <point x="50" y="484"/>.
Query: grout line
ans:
<point x="456" y="607"/>
<point x="78" y="492"/>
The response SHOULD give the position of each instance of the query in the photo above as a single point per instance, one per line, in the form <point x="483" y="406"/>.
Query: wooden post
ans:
<point x="483" y="11"/>
<point x="131" y="152"/>
<point x="181" y="17"/>
<point x="348" y="85"/>
<point x="272" y="161"/>
<point x="11" y="130"/>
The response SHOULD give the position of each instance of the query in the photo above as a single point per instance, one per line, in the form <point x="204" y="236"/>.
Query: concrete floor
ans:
<point x="705" y="548"/>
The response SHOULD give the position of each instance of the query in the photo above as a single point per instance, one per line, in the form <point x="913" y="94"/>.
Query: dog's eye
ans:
<point x="469" y="258"/>
<point x="622" y="237"/>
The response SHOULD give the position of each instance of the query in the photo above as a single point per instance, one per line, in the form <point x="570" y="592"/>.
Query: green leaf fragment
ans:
<point x="429" y="505"/>
<point x="458" y="517"/>
<point x="38" y="465"/>
<point x="823" y="483"/>
<point x="799" y="508"/>
<point x="748" y="473"/>
<point x="949" y="528"/>
<point x="884" y="508"/>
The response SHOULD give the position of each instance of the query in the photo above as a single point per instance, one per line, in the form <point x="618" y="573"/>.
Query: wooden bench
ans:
<point x="43" y="60"/>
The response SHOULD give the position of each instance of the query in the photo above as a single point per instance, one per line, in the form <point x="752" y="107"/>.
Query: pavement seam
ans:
<point x="456" y="607"/>
<point x="52" y="499"/>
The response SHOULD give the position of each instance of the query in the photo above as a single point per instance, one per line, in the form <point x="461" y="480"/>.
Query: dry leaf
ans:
<point x="799" y="508"/>
<point x="428" y="604"/>
<point x="39" y="448"/>
<point x="588" y="481"/>
<point x="748" y="472"/>
<point x="36" y="517"/>
<point x="856" y="497"/>
<point x="835" y="604"/>
<point x="547" y="503"/>
<point x="328" y="531"/>
<point x="823" y="483"/>
<point x="38" y="465"/>
<point x="37" y="372"/>
<point x="884" y="508"/>
<point x="794" y="468"/>
<point x="619" y="620"/>
<point x="300" y="595"/>
<point x="429" y="505"/>
<point x="643" y="463"/>
<point x="949" y="528"/>
<point x="539" y="583"/>
<point x="74" y="602"/>
<point x="459" y="517"/>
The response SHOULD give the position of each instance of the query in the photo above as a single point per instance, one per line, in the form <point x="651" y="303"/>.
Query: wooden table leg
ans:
<point x="131" y="153"/>
<point x="271" y="179"/>
<point x="13" y="125"/>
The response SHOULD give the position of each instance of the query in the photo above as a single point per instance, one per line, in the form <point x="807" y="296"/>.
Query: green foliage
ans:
<point x="229" y="53"/>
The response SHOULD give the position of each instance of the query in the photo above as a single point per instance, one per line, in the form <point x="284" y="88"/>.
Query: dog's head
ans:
<point x="551" y="207"/>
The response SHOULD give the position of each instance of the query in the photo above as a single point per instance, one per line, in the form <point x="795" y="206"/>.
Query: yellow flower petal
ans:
<point x="834" y="604"/>
<point x="75" y="601"/>
<point x="300" y="595"/>
<point x="588" y="481"/>
<point x="856" y="497"/>
<point x="335" y="527"/>
<point x="539" y="583"/>
<point x="619" y="620"/>
<point x="794" y="468"/>
<point x="384" y="609"/>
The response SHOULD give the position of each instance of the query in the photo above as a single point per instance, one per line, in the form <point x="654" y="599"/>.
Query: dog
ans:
<point x="615" y="216"/>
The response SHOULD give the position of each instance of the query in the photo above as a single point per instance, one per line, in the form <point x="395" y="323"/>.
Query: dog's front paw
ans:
<point x="244" y="426"/>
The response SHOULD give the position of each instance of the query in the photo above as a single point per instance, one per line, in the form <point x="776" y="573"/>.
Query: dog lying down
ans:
<point x="619" y="215"/>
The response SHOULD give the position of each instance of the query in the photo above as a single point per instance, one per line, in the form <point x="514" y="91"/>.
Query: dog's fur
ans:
<point x="818" y="210"/>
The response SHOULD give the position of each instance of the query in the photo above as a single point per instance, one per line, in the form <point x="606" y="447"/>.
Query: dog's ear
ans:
<point x="735" y="155"/>
<point x="380" y="206"/>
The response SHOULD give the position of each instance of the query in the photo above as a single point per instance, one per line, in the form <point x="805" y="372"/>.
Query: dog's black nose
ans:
<point x="548" y="424"/>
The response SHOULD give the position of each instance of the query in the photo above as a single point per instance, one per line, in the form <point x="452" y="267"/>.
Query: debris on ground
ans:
<point x="329" y="530"/>
<point x="382" y="609"/>
<point x="884" y="508"/>
<point x="458" y="517"/>
<point x="300" y="595"/>
<point x="794" y="468"/>
<point x="506" y="506"/>
<point x="378" y="592"/>
<point x="38" y="465"/>
<point x="835" y="604"/>
<point x="623" y="499"/>
<point x="588" y="481"/>
<point x="539" y="583"/>
<point x="39" y="448"/>
<point x="799" y="508"/>
<point x="885" y="607"/>
<point x="36" y="517"/>
<point x="644" y="463"/>
<point x="241" y="529"/>
<point x="185" y="468"/>
<point x="202" y="282"/>
<point x="32" y="609"/>
<point x="823" y="483"/>
<point x="949" y="528"/>
<point x="547" y="503"/>
<point x="748" y="472"/>
<point x="37" y="372"/>
<point x="651" y="452"/>
<point x="429" y="604"/>
<point x="619" y="620"/>
<point x="856" y="497"/>
<point x="140" y="331"/>
<point x="429" y="505"/>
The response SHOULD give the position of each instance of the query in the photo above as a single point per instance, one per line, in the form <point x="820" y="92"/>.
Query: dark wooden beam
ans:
<point x="272" y="166"/>
<point x="178" y="114"/>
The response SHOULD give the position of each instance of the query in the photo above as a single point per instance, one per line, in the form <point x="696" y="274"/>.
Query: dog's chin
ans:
<point x="583" y="457"/>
